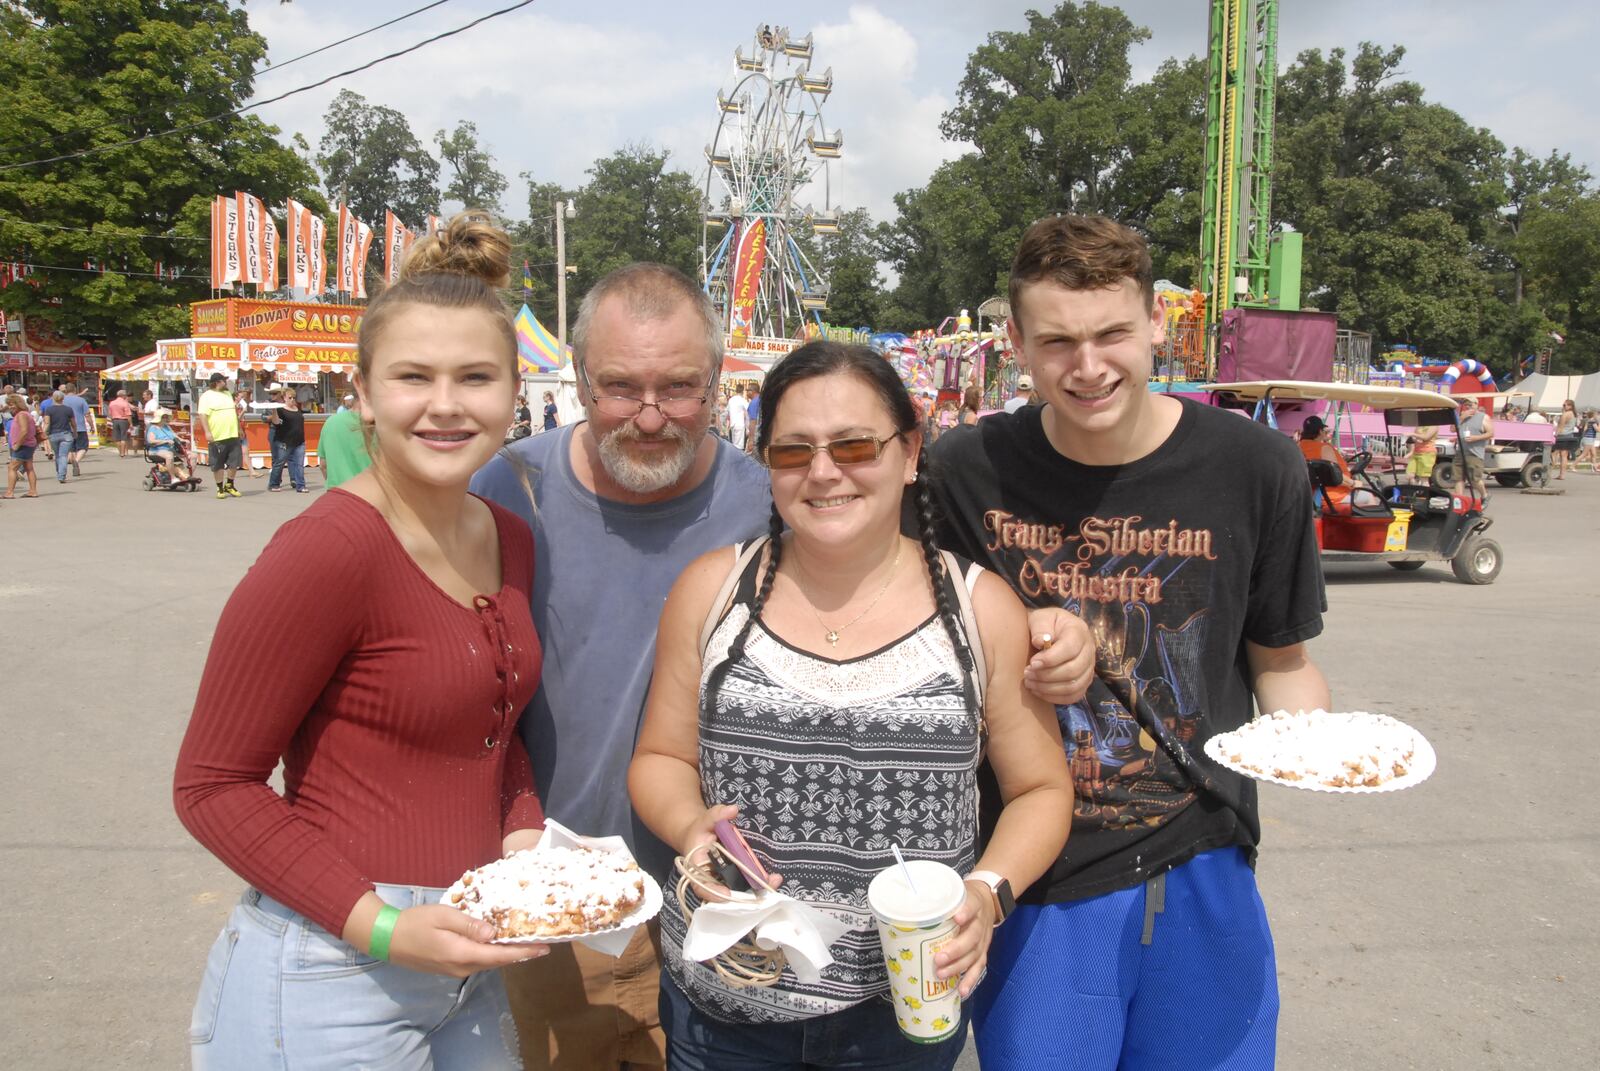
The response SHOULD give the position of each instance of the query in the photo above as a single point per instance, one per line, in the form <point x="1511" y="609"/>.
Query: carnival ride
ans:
<point x="941" y="362"/>
<point x="771" y="174"/>
<point x="1245" y="263"/>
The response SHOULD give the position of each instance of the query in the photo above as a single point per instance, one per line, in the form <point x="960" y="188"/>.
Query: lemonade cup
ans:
<point x="914" y="923"/>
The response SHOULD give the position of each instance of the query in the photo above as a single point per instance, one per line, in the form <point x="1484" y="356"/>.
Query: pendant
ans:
<point x="833" y="638"/>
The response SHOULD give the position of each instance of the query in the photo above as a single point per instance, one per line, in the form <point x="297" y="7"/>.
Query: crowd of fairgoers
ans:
<point x="62" y="425"/>
<point x="140" y="428"/>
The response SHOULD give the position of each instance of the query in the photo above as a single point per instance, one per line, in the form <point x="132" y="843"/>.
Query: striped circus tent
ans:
<point x="135" y="371"/>
<point x="536" y="346"/>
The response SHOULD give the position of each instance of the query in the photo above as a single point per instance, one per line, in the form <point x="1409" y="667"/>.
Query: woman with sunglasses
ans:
<point x="834" y="714"/>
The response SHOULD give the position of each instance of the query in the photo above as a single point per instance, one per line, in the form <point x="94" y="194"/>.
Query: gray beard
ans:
<point x="646" y="477"/>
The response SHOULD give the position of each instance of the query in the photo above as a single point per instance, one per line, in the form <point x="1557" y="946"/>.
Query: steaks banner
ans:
<point x="397" y="242"/>
<point x="225" y="267"/>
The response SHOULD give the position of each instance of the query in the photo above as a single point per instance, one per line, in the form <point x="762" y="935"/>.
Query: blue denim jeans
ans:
<point x="61" y="446"/>
<point x="292" y="458"/>
<point x="864" y="1037"/>
<point x="282" y="993"/>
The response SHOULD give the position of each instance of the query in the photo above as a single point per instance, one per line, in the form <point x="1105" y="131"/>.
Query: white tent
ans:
<point x="563" y="383"/>
<point x="1550" y="391"/>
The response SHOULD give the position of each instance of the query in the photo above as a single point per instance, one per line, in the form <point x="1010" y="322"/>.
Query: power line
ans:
<point x="256" y="74"/>
<point x="270" y="100"/>
<point x="185" y="272"/>
<point x="344" y="41"/>
<point x="91" y="230"/>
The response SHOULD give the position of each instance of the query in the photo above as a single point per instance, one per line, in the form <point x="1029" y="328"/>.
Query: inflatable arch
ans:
<point x="1468" y="367"/>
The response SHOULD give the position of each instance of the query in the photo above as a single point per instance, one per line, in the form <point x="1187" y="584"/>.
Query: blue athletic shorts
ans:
<point x="1176" y="974"/>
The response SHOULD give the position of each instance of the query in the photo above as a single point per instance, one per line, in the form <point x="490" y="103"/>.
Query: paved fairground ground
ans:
<point x="1450" y="926"/>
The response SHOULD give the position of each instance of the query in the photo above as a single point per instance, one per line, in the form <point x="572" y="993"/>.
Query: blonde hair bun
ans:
<point x="471" y="244"/>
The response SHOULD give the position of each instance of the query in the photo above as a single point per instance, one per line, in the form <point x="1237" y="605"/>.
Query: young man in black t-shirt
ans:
<point x="1183" y="535"/>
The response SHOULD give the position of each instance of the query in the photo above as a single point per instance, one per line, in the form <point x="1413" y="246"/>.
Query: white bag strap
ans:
<point x="742" y="553"/>
<point x="969" y="620"/>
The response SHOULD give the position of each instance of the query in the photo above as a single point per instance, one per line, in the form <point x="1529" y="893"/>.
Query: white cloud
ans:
<point x="557" y="85"/>
<point x="548" y="96"/>
<point x="890" y="121"/>
<point x="1545" y="119"/>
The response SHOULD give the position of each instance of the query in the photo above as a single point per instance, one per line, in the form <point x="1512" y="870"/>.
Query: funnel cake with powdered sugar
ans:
<point x="553" y="892"/>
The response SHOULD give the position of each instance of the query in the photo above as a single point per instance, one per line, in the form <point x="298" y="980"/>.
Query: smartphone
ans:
<point x="749" y="871"/>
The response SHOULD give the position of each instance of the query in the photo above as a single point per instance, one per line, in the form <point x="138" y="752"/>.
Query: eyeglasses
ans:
<point x="855" y="450"/>
<point x="671" y="404"/>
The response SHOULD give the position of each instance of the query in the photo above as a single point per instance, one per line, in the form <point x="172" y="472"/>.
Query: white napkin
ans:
<point x="803" y="932"/>
<point x="557" y="835"/>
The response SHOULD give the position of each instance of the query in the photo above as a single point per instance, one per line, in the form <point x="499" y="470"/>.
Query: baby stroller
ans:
<point x="159" y="479"/>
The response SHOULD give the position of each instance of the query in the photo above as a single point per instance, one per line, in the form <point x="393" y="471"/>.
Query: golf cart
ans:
<point x="1412" y="523"/>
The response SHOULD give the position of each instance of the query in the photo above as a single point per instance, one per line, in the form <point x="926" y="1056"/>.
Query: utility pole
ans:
<point x="564" y="211"/>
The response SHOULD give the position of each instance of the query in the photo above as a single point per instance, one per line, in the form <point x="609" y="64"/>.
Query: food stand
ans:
<point x="256" y="343"/>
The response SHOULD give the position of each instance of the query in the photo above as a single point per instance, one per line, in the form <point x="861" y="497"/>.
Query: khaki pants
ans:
<point x="578" y="1010"/>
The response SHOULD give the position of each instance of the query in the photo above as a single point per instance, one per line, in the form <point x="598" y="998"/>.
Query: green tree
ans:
<point x="848" y="260"/>
<point x="83" y="77"/>
<point x="1059" y="126"/>
<point x="1156" y="184"/>
<point x="633" y="208"/>
<point x="1052" y="101"/>
<point x="952" y="242"/>
<point x="1560" y="245"/>
<point x="371" y="161"/>
<point x="1531" y="182"/>
<point x="1396" y="196"/>
<point x="475" y="182"/>
<point x="534" y="243"/>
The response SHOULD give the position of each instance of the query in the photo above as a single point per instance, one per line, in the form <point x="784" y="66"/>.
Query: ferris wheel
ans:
<point x="771" y="177"/>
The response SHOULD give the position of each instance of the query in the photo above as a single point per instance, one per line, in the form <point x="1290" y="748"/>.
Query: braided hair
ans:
<point x="822" y="358"/>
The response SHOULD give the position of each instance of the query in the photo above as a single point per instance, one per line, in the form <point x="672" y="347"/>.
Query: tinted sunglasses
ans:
<point x="855" y="450"/>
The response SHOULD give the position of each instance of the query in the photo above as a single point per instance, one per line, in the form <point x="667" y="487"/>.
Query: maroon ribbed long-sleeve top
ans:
<point x="392" y="705"/>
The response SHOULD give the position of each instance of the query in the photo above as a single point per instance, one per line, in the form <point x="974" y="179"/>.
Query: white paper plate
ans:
<point x="647" y="909"/>
<point x="1423" y="762"/>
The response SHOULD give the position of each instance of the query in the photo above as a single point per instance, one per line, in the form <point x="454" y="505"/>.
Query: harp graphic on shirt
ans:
<point x="1182" y="650"/>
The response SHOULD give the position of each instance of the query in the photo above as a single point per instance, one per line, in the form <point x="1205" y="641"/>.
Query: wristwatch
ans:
<point x="999" y="888"/>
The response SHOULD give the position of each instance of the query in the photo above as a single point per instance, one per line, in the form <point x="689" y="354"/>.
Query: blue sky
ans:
<point x="562" y="82"/>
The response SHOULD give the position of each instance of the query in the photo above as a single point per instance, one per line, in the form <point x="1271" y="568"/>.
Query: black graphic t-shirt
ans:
<point x="1174" y="561"/>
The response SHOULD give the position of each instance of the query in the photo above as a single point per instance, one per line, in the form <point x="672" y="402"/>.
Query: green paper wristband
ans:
<point x="382" y="931"/>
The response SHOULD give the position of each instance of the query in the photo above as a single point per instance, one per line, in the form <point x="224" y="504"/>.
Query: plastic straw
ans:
<point x="905" y="871"/>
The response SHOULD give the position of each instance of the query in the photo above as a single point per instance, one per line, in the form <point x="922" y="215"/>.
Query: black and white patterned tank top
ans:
<point x="830" y="763"/>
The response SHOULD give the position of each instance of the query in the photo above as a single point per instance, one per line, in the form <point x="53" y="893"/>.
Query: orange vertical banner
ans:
<point x="317" y="229"/>
<point x="269" y="250"/>
<point x="397" y="239"/>
<point x="752" y="257"/>
<point x="297" y="232"/>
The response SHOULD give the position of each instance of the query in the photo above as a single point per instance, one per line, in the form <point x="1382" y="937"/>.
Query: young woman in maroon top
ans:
<point x="382" y="648"/>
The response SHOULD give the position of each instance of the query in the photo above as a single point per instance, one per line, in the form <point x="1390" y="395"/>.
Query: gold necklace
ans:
<point x="833" y="633"/>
